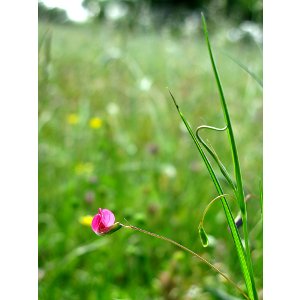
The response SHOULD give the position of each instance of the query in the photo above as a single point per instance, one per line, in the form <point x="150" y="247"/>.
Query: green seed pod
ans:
<point x="203" y="237"/>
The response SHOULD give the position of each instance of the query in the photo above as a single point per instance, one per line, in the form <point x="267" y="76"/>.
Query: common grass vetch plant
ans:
<point x="137" y="160"/>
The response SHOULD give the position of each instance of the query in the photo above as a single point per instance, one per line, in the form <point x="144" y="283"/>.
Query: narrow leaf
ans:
<point x="246" y="69"/>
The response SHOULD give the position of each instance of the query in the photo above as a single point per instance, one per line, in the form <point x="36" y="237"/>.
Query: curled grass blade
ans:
<point x="214" y="154"/>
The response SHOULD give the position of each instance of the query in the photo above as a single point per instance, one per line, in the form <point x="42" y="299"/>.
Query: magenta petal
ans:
<point x="96" y="222"/>
<point x="108" y="218"/>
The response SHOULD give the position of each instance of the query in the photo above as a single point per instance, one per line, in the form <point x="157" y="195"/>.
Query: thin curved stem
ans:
<point x="191" y="252"/>
<point x="208" y="206"/>
<point x="214" y="200"/>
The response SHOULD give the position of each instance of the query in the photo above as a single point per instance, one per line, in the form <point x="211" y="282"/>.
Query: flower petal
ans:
<point x="96" y="222"/>
<point x="108" y="218"/>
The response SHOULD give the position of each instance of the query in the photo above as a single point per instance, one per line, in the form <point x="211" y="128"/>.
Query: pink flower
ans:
<point x="103" y="221"/>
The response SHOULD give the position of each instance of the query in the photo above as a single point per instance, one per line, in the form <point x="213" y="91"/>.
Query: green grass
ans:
<point x="91" y="70"/>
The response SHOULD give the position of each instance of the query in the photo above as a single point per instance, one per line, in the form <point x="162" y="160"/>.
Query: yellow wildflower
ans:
<point x="86" y="220"/>
<point x="84" y="168"/>
<point x="72" y="119"/>
<point x="95" y="123"/>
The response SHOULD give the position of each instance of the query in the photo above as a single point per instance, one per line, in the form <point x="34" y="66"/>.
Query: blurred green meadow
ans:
<point x="110" y="137"/>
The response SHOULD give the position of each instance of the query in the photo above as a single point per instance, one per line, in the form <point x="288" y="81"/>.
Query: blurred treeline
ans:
<point x="55" y="14"/>
<point x="164" y="10"/>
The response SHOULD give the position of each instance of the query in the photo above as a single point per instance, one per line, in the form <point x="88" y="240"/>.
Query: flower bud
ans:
<point x="104" y="222"/>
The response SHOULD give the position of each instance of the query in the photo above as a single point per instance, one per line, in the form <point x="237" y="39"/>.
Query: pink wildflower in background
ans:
<point x="103" y="221"/>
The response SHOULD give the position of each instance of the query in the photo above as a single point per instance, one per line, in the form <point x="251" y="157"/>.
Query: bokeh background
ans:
<point x="110" y="137"/>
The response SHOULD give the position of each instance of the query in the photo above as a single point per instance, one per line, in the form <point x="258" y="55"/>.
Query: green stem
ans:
<point x="191" y="252"/>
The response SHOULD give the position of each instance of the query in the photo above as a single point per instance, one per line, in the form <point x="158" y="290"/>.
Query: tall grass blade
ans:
<point x="48" y="42"/>
<point x="42" y="40"/>
<point x="246" y="69"/>
<point x="239" y="183"/>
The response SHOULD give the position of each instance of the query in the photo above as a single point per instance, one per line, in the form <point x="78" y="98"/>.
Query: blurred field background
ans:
<point x="110" y="137"/>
